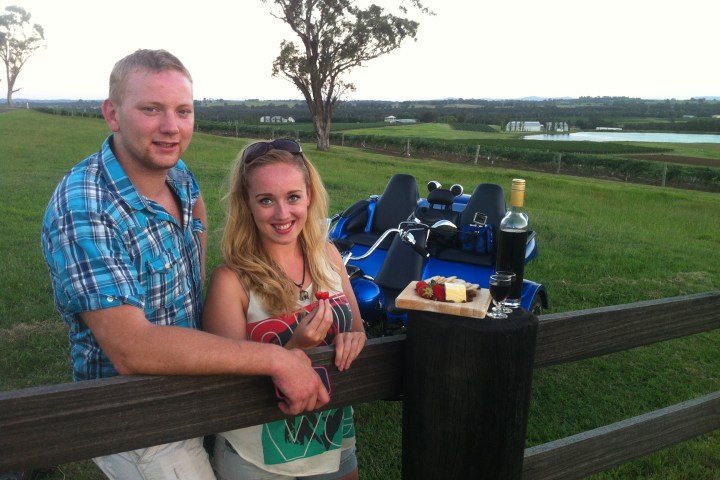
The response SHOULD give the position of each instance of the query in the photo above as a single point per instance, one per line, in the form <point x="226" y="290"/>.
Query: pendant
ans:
<point x="304" y="295"/>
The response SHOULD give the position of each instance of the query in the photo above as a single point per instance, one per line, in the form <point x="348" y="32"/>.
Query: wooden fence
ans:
<point x="59" y="424"/>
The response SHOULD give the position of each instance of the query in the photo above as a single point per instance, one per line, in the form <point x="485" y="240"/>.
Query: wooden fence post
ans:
<point x="467" y="396"/>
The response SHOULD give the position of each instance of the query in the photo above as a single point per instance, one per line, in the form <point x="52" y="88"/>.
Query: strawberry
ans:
<point x="424" y="290"/>
<point x="439" y="292"/>
<point x="322" y="295"/>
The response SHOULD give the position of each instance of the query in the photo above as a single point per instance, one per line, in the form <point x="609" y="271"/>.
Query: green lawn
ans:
<point x="443" y="131"/>
<point x="601" y="243"/>
<point x="440" y="131"/>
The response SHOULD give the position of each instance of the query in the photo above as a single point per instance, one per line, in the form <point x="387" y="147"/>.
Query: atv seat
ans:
<point x="487" y="199"/>
<point x="395" y="205"/>
<point x="401" y="266"/>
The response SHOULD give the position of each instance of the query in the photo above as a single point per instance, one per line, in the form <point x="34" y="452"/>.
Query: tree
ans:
<point x="18" y="40"/>
<point x="335" y="36"/>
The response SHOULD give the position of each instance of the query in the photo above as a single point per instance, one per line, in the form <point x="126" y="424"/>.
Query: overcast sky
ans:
<point x="470" y="49"/>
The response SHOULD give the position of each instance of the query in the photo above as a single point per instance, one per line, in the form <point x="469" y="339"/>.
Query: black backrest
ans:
<point x="440" y="203"/>
<point x="396" y="203"/>
<point x="487" y="198"/>
<point x="402" y="264"/>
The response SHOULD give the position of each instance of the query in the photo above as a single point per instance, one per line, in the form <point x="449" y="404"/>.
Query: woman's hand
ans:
<point x="313" y="328"/>
<point x="348" y="346"/>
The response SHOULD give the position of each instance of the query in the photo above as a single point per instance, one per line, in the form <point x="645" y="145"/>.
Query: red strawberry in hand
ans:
<point x="322" y="295"/>
<point x="439" y="292"/>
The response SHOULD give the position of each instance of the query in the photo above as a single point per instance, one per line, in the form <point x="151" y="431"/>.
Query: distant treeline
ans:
<point x="584" y="113"/>
<point x="704" y="125"/>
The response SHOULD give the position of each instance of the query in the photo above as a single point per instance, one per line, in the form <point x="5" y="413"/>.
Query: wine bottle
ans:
<point x="512" y="241"/>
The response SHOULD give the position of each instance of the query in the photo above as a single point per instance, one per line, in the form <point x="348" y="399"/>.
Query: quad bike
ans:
<point x="392" y="239"/>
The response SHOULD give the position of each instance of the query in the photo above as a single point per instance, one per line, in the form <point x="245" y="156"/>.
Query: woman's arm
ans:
<point x="225" y="305"/>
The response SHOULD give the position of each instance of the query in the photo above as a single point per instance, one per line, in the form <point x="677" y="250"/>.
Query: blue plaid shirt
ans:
<point x="106" y="245"/>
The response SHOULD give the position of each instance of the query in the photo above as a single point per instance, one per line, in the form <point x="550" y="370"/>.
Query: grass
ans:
<point x="601" y="243"/>
<point x="697" y="150"/>
<point x="443" y="131"/>
<point x="440" y="131"/>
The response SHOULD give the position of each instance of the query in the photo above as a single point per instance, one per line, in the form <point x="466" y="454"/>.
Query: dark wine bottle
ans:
<point x="512" y="241"/>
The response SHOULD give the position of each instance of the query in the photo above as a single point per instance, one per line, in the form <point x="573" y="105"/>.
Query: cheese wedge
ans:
<point x="455" y="292"/>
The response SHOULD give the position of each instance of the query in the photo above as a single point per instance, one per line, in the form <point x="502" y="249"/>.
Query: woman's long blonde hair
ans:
<point x="241" y="246"/>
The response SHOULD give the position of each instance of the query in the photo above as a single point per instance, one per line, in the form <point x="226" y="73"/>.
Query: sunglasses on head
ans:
<point x="259" y="149"/>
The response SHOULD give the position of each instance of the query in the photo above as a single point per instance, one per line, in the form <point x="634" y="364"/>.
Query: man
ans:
<point x="124" y="240"/>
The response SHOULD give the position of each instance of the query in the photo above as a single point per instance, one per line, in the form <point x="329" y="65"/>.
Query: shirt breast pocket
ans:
<point x="164" y="280"/>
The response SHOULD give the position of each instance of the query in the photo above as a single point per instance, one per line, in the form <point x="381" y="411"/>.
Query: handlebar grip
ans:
<point x="421" y="250"/>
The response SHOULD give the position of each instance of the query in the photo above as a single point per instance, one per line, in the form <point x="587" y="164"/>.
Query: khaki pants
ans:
<point x="185" y="460"/>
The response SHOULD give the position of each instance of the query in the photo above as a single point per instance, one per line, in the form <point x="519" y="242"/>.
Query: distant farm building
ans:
<point x="276" y="119"/>
<point x="393" y="119"/>
<point x="519" y="126"/>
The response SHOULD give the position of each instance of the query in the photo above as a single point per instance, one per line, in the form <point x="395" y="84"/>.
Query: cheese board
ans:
<point x="476" y="307"/>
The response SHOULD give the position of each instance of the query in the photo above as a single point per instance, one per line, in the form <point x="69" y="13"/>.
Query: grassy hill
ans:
<point x="601" y="243"/>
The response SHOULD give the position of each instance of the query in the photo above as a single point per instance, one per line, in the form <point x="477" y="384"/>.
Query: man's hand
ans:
<point x="301" y="387"/>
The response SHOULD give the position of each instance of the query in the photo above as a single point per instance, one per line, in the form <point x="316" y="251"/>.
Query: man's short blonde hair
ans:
<point x="143" y="60"/>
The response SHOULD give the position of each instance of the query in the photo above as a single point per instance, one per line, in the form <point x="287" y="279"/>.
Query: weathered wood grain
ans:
<point x="571" y="336"/>
<point x="606" y="447"/>
<point x="58" y="424"/>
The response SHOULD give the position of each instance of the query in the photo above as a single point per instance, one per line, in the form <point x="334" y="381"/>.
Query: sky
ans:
<point x="478" y="49"/>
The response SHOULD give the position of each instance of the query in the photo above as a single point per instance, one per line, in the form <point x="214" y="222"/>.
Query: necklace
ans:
<point x="300" y="285"/>
<point x="303" y="294"/>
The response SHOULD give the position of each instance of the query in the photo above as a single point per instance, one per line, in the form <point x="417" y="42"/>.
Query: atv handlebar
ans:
<point x="405" y="231"/>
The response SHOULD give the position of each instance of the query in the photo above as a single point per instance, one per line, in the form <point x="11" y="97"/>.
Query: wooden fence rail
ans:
<point x="603" y="448"/>
<point x="82" y="420"/>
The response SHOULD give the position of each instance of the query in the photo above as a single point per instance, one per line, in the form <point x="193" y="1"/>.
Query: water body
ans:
<point x="629" y="137"/>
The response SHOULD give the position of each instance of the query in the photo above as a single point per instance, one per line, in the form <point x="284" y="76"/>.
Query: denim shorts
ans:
<point x="231" y="466"/>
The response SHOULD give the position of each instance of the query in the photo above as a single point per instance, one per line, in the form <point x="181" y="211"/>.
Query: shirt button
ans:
<point x="167" y="265"/>
<point x="110" y="299"/>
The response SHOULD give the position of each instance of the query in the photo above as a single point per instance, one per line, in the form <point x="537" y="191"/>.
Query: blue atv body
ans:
<point x="395" y="262"/>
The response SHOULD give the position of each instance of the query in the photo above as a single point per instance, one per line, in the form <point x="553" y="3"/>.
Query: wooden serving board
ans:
<point x="477" y="307"/>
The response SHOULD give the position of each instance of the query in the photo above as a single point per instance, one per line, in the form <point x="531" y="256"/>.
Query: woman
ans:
<point x="277" y="257"/>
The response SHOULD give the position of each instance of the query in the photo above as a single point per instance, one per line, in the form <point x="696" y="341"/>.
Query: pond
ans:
<point x="629" y="137"/>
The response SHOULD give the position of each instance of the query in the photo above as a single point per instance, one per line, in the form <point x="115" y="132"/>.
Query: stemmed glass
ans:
<point x="499" y="290"/>
<point x="504" y="308"/>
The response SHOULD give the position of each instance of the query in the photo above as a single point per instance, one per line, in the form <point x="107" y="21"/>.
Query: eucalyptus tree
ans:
<point x="334" y="36"/>
<point x="18" y="40"/>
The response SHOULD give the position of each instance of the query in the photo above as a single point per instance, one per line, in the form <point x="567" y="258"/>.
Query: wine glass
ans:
<point x="504" y="308"/>
<point x="499" y="291"/>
